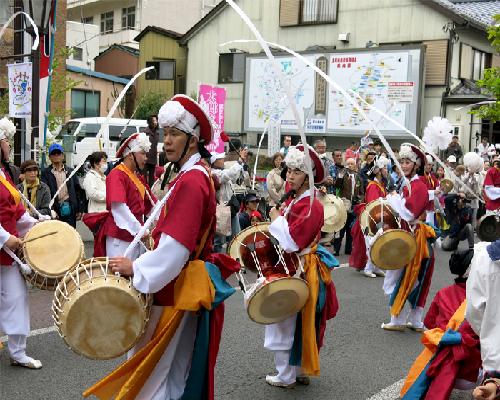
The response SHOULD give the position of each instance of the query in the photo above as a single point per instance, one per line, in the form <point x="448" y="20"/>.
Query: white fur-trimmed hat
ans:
<point x="136" y="142"/>
<point x="7" y="129"/>
<point x="295" y="158"/>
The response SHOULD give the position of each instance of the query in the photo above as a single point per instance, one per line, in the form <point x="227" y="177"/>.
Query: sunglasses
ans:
<point x="32" y="169"/>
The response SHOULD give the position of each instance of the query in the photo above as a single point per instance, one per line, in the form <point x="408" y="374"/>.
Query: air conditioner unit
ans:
<point x="344" y="37"/>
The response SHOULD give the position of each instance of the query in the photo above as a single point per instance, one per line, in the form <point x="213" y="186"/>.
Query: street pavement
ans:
<point x="358" y="361"/>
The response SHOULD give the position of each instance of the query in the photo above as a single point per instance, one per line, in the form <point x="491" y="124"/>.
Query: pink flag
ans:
<point x="212" y="100"/>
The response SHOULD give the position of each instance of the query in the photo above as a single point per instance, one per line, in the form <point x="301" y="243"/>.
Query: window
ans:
<point x="305" y="12"/>
<point x="107" y="22"/>
<point x="87" y="130"/>
<point x="128" y="18"/>
<point x="77" y="53"/>
<point x="85" y="104"/>
<point x="88" y="20"/>
<point x="473" y="62"/>
<point x="164" y="70"/>
<point x="231" y="67"/>
<point x="115" y="131"/>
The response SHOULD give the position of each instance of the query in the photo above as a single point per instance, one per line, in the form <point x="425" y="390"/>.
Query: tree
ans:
<point x="149" y="104"/>
<point x="491" y="81"/>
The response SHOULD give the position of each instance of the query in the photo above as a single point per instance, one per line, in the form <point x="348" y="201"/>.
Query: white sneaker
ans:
<point x="274" y="381"/>
<point x="379" y="273"/>
<point x="28" y="362"/>
<point x="369" y="274"/>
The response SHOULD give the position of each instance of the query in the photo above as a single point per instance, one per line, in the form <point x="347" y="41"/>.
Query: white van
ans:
<point x="85" y="130"/>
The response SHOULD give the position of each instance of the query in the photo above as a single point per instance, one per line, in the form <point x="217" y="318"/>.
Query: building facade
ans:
<point x="452" y="34"/>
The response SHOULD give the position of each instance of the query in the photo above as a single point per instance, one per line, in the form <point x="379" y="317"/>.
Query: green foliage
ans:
<point x="491" y="81"/>
<point x="149" y="104"/>
<point x="4" y="104"/>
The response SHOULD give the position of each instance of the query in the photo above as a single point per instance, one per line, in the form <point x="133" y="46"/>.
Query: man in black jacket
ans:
<point x="153" y="133"/>
<point x="459" y="217"/>
<point x="68" y="204"/>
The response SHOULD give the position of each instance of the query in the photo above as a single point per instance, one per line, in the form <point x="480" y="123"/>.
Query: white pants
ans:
<point x="370" y="267"/>
<point x="429" y="218"/>
<point x="14" y="311"/>
<point x="279" y="339"/>
<point x="116" y="248"/>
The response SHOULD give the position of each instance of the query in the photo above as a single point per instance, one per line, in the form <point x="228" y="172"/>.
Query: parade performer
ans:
<point x="176" y="356"/>
<point x="451" y="357"/>
<point x="376" y="189"/>
<point x="128" y="200"/>
<point x="432" y="184"/>
<point x="492" y="187"/>
<point x="14" y="223"/>
<point x="297" y="225"/>
<point x="412" y="282"/>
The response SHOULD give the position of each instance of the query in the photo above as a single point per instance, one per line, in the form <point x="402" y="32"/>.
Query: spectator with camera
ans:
<point x="459" y="217"/>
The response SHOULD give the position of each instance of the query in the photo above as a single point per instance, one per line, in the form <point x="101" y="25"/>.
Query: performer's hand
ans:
<point x="13" y="243"/>
<point x="78" y="216"/>
<point x="122" y="265"/>
<point x="485" y="392"/>
<point x="329" y="181"/>
<point x="437" y="192"/>
<point x="274" y="213"/>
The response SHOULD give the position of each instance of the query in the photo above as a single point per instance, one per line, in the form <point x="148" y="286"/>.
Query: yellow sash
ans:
<point x="430" y="340"/>
<point x="382" y="189"/>
<point x="192" y="290"/>
<point x="135" y="180"/>
<point x="422" y="233"/>
<point x="13" y="191"/>
<point x="313" y="269"/>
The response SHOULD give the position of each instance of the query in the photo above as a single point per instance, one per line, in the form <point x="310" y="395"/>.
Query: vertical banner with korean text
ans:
<point x="20" y="89"/>
<point x="212" y="99"/>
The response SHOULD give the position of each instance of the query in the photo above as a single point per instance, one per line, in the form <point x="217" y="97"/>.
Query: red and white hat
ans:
<point x="295" y="158"/>
<point x="185" y="114"/>
<point x="134" y="143"/>
<point x="7" y="129"/>
<point x="412" y="153"/>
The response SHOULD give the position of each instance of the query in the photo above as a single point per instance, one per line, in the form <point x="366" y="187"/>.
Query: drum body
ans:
<point x="446" y="185"/>
<point x="99" y="315"/>
<point x="378" y="214"/>
<point x="489" y="228"/>
<point x="51" y="256"/>
<point x="277" y="294"/>
<point x="335" y="213"/>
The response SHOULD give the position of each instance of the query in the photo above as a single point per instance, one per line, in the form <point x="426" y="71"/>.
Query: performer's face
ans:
<point x="140" y="157"/>
<point x="174" y="141"/>
<point x="295" y="178"/>
<point x="428" y="168"/>
<point x="408" y="167"/>
<point x="4" y="149"/>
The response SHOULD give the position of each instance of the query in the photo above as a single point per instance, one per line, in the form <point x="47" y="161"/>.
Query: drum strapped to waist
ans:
<point x="99" y="315"/>
<point x="335" y="213"/>
<point x="51" y="248"/>
<point x="392" y="247"/>
<point x="488" y="228"/>
<point x="277" y="294"/>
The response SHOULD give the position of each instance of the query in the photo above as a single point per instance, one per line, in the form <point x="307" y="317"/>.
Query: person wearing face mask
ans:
<point x="94" y="183"/>
<point x="411" y="284"/>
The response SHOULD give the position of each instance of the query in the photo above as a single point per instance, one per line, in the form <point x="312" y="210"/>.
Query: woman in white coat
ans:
<point x="95" y="182"/>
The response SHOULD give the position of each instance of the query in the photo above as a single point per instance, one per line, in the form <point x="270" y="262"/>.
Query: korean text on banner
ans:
<point x="20" y="90"/>
<point x="212" y="100"/>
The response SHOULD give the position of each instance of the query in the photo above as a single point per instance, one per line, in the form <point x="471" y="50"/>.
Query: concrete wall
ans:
<point x="105" y="88"/>
<point x="383" y="22"/>
<point x="86" y="37"/>
<point x="117" y="62"/>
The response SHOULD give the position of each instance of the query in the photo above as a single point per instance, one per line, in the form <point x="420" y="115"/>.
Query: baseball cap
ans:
<point x="451" y="159"/>
<point x="54" y="147"/>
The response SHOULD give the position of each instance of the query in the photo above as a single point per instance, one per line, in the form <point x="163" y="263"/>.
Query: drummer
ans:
<point x="128" y="199"/>
<point x="376" y="189"/>
<point x="432" y="184"/>
<point x="295" y="236"/>
<point x="14" y="223"/>
<point x="176" y="272"/>
<point x="412" y="282"/>
<point x="492" y="187"/>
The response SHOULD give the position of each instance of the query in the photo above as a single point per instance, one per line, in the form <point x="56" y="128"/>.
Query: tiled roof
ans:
<point x="160" y="31"/>
<point x="478" y="13"/>
<point x="126" y="49"/>
<point x="95" y="74"/>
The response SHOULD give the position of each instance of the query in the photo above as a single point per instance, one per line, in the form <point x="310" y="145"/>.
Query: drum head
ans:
<point x="372" y="216"/>
<point x="255" y="242"/>
<point x="335" y="213"/>
<point x="53" y="255"/>
<point x="489" y="228"/>
<point x="394" y="249"/>
<point x="446" y="185"/>
<point x="278" y="300"/>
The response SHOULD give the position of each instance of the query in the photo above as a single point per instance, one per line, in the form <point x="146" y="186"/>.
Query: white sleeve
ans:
<point x="476" y="295"/>
<point x="92" y="190"/>
<point x="280" y="230"/>
<point x="25" y="223"/>
<point x="155" y="269"/>
<point x="232" y="174"/>
<point x="492" y="192"/>
<point x="124" y="218"/>
<point x="399" y="204"/>
<point x="4" y="236"/>
<point x="431" y="194"/>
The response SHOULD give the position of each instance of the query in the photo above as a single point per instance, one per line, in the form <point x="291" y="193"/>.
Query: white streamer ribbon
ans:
<point x="22" y="266"/>
<point x="35" y="28"/>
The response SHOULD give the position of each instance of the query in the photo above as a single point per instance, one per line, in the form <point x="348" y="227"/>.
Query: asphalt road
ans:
<point x="358" y="360"/>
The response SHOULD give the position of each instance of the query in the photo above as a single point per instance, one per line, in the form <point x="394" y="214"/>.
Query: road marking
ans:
<point x="390" y="392"/>
<point x="36" y="332"/>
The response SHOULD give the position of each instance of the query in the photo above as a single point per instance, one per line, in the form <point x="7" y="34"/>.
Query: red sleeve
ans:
<point x="430" y="317"/>
<point x="185" y="209"/>
<point x="417" y="202"/>
<point x="488" y="180"/>
<point x="116" y="187"/>
<point x="372" y="193"/>
<point x="20" y="210"/>
<point x="305" y="229"/>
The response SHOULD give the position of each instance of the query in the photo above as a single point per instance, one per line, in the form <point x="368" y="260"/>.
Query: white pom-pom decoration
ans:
<point x="382" y="162"/>
<point x="473" y="162"/>
<point x="437" y="133"/>
<point x="170" y="114"/>
<point x="295" y="159"/>
<point x="7" y="128"/>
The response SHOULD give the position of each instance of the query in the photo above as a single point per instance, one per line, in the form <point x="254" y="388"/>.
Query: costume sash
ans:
<point x="382" y="189"/>
<point x="135" y="180"/>
<point x="412" y="270"/>
<point x="13" y="191"/>
<point x="417" y="381"/>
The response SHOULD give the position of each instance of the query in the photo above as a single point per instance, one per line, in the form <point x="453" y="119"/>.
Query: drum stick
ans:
<point x="39" y="237"/>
